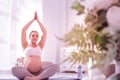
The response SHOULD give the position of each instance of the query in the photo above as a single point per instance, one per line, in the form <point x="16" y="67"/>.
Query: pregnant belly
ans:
<point x="33" y="64"/>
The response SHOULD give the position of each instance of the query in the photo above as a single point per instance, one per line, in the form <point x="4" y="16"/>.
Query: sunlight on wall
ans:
<point x="5" y="34"/>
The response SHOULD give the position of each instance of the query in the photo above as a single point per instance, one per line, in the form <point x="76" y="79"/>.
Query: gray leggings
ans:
<point x="48" y="70"/>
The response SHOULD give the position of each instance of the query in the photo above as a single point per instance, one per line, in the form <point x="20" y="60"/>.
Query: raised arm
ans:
<point x="23" y="35"/>
<point x="43" y="38"/>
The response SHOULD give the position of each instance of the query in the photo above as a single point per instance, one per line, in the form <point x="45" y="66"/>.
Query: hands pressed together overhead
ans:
<point x="36" y="16"/>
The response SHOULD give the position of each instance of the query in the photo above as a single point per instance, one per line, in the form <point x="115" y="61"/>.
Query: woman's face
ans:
<point x="34" y="36"/>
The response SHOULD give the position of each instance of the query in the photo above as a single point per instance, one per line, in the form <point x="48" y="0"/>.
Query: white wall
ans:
<point x="54" y="18"/>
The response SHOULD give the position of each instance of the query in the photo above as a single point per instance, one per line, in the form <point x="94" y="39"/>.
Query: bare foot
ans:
<point x="35" y="78"/>
<point x="28" y="78"/>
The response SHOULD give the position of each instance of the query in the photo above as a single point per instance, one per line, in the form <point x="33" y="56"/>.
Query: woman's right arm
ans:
<point x="23" y="36"/>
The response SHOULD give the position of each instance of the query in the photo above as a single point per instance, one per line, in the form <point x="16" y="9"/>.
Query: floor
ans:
<point x="7" y="77"/>
<point x="57" y="76"/>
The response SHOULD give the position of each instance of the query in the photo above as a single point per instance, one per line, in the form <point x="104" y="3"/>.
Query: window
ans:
<point x="14" y="14"/>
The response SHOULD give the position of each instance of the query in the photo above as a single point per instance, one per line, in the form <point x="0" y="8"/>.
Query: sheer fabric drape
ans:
<point x="13" y="16"/>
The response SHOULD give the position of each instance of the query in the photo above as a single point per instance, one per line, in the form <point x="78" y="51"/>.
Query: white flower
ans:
<point x="98" y="5"/>
<point x="113" y="18"/>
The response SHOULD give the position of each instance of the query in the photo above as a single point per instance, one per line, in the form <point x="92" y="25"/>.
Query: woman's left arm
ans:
<point x="43" y="38"/>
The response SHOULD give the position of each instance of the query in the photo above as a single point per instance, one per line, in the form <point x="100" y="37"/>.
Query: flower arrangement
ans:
<point x="20" y="61"/>
<point x="94" y="41"/>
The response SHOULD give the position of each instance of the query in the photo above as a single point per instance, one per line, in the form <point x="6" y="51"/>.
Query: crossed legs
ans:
<point x="21" y="72"/>
<point x="48" y="70"/>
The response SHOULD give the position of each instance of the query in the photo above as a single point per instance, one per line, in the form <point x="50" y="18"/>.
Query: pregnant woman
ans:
<point x="33" y="68"/>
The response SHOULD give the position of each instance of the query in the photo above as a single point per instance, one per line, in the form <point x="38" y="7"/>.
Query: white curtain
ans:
<point x="14" y="14"/>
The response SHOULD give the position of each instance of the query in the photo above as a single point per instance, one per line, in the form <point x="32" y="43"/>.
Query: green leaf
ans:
<point x="99" y="39"/>
<point x="78" y="7"/>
